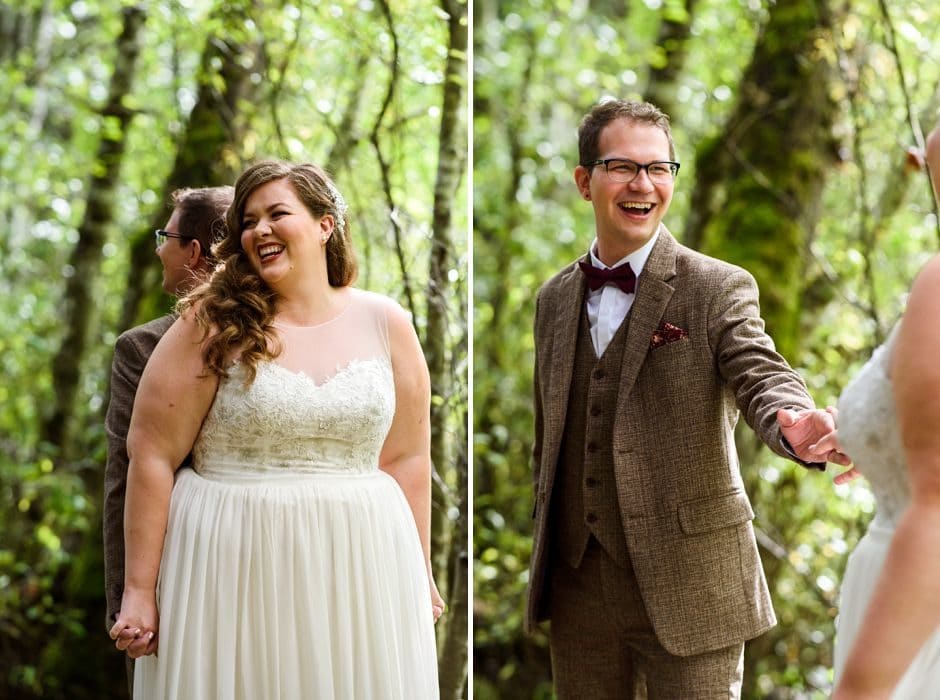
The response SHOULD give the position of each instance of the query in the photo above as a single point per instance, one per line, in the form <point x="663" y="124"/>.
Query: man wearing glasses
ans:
<point x="644" y="557"/>
<point x="184" y="248"/>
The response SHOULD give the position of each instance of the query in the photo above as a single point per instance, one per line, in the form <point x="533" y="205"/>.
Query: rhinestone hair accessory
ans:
<point x="340" y="206"/>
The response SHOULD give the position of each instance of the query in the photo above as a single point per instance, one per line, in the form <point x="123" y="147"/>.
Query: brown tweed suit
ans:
<point x="685" y="517"/>
<point x="131" y="352"/>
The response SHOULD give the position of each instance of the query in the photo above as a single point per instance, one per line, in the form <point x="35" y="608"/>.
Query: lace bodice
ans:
<point x="328" y="410"/>
<point x="868" y="431"/>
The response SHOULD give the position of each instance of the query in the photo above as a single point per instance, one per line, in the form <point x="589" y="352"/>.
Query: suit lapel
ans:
<point x="652" y="297"/>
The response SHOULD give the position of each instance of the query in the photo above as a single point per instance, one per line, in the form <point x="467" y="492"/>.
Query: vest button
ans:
<point x="590" y="481"/>
<point x="595" y="410"/>
<point x="592" y="446"/>
<point x="599" y="374"/>
<point x="591" y="518"/>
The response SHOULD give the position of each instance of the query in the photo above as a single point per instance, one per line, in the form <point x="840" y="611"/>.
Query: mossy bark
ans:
<point x="757" y="202"/>
<point x="759" y="183"/>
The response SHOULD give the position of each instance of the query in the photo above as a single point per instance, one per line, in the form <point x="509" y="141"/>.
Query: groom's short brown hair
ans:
<point x="603" y="113"/>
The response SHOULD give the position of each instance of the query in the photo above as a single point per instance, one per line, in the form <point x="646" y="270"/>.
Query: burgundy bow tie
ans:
<point x="622" y="276"/>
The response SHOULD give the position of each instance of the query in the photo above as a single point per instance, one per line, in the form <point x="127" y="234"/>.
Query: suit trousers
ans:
<point x="603" y="644"/>
<point x="129" y="666"/>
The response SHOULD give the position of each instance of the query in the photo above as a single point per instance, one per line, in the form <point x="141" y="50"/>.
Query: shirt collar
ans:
<point x="637" y="258"/>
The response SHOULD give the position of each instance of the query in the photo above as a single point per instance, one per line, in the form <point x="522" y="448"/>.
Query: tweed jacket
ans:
<point x="696" y="358"/>
<point x="131" y="352"/>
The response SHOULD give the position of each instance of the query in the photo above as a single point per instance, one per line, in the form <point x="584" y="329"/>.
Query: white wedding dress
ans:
<point x="868" y="431"/>
<point x="292" y="566"/>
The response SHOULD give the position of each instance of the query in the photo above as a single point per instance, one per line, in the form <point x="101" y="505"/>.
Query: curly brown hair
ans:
<point x="235" y="308"/>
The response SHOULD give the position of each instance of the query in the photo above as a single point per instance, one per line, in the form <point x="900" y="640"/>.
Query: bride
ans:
<point x="293" y="559"/>
<point x="888" y="630"/>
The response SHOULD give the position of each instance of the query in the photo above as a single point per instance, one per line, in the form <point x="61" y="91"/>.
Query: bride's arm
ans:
<point x="406" y="454"/>
<point x="174" y="396"/>
<point x="903" y="611"/>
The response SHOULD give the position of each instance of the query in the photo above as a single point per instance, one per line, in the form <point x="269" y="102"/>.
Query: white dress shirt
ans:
<point x="609" y="305"/>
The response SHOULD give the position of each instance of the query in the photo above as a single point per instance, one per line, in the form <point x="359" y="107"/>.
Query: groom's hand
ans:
<point x="812" y="435"/>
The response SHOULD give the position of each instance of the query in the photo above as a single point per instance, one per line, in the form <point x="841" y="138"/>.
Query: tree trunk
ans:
<point x="442" y="362"/>
<point x="347" y="137"/>
<point x="756" y="204"/>
<point x="615" y="9"/>
<point x="452" y="659"/>
<point x="675" y="28"/>
<point x="208" y="154"/>
<point x="38" y="29"/>
<point x="81" y="317"/>
<point x="759" y="183"/>
<point x="19" y="28"/>
<point x="79" y="313"/>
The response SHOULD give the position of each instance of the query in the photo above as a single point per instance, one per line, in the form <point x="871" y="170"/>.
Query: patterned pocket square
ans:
<point x="667" y="333"/>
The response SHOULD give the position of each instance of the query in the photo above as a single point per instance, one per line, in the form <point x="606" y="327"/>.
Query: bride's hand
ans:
<point x="437" y="602"/>
<point x="846" y="476"/>
<point x="135" y="630"/>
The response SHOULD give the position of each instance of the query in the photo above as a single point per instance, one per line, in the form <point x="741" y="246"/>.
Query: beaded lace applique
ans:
<point x="285" y="420"/>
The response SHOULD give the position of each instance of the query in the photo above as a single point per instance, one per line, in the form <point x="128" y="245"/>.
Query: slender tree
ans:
<point x="675" y="30"/>
<point x="440" y="352"/>
<point x="209" y="150"/>
<point x="79" y="312"/>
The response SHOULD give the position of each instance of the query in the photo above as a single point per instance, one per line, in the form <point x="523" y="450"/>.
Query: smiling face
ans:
<point x="280" y="236"/>
<point x="626" y="215"/>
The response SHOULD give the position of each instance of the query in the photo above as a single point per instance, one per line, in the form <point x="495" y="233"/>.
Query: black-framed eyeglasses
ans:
<point x="662" y="172"/>
<point x="160" y="236"/>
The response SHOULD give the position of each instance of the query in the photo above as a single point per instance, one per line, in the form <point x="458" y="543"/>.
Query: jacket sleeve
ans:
<point x="126" y="369"/>
<point x="760" y="378"/>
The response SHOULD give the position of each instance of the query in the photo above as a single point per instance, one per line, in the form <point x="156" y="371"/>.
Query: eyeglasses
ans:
<point x="160" y="236"/>
<point x="662" y="172"/>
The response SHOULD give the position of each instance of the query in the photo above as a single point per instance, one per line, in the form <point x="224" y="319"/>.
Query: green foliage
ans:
<point x="537" y="69"/>
<point x="314" y="61"/>
<point x="53" y="514"/>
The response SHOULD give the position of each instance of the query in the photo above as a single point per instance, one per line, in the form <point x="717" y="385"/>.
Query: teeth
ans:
<point x="269" y="249"/>
<point x="646" y="206"/>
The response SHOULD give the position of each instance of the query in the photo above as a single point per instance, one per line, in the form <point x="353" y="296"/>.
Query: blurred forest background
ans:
<point x="110" y="105"/>
<point x="792" y="120"/>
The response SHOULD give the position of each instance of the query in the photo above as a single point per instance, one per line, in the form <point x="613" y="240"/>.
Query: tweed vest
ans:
<point x="584" y="496"/>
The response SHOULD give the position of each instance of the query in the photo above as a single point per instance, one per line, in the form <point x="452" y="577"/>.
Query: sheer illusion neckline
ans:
<point x="299" y="327"/>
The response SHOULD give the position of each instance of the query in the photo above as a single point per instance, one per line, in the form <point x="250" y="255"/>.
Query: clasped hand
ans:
<point x="135" y="630"/>
<point x="814" y="437"/>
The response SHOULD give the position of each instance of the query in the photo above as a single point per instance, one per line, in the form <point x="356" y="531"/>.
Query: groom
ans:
<point x="185" y="251"/>
<point x="644" y="556"/>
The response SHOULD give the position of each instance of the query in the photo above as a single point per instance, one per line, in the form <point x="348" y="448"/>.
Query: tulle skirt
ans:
<point x="922" y="678"/>
<point x="306" y="586"/>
